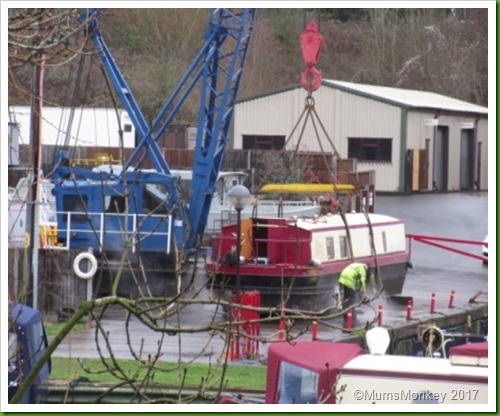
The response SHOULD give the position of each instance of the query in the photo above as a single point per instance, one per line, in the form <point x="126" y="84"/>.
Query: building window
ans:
<point x="259" y="142"/>
<point x="330" y="252"/>
<point x="370" y="150"/>
<point x="127" y="128"/>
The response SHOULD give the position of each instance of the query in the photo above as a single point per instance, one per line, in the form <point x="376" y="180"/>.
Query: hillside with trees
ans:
<point x="439" y="50"/>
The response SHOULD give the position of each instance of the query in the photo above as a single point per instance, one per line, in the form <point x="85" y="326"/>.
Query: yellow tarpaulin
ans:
<point x="305" y="188"/>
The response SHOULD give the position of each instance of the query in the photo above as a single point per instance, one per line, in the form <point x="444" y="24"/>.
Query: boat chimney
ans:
<point x="378" y="340"/>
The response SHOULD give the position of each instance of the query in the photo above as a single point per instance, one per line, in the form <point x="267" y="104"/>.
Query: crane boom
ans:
<point x="229" y="35"/>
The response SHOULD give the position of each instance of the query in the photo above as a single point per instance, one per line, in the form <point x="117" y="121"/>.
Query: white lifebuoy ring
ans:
<point x="92" y="269"/>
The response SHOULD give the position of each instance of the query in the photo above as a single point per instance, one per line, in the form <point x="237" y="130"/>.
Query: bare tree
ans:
<point x="53" y="36"/>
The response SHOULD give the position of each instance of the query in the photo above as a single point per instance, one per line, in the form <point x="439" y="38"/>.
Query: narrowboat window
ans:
<point x="330" y="252"/>
<point x="384" y="241"/>
<point x="297" y="385"/>
<point x="344" y="247"/>
<point x="77" y="206"/>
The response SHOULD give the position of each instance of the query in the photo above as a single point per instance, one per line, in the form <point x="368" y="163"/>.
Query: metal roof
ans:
<point x="408" y="98"/>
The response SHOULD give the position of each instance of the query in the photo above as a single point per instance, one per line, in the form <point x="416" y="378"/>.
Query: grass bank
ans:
<point x="244" y="376"/>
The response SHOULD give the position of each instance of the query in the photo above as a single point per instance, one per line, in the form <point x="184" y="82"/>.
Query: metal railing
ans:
<point x="103" y="227"/>
<point x="436" y="241"/>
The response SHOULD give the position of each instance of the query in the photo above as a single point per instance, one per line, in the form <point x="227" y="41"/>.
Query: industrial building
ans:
<point x="78" y="127"/>
<point x="87" y="131"/>
<point x="412" y="140"/>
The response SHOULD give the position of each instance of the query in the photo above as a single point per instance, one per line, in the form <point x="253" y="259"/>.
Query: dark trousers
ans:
<point x="347" y="299"/>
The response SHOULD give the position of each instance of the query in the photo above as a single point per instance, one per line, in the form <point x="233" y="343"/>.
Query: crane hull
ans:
<point x="151" y="274"/>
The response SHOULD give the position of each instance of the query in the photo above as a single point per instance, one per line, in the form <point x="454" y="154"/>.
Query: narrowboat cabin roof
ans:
<point x="334" y="220"/>
<point x="398" y="364"/>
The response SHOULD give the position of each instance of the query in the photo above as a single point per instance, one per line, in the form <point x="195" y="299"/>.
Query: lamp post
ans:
<point x="239" y="197"/>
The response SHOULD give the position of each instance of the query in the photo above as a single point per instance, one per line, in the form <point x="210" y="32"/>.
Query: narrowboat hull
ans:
<point x="307" y="289"/>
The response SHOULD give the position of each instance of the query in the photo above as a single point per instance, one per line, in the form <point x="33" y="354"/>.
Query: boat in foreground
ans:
<point x="295" y="263"/>
<point x="317" y="372"/>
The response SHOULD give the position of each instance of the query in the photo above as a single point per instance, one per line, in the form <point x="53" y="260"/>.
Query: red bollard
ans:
<point x="314" y="329"/>
<point x="433" y="303"/>
<point x="379" y="315"/>
<point x="452" y="298"/>
<point x="408" y="309"/>
<point x="348" y="321"/>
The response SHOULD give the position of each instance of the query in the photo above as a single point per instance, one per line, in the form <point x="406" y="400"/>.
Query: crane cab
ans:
<point x="115" y="213"/>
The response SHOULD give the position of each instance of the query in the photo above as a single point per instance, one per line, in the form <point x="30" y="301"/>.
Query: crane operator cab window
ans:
<point x="115" y="204"/>
<point x="154" y="199"/>
<point x="77" y="206"/>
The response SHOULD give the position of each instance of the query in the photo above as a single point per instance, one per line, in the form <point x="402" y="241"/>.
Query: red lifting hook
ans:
<point x="310" y="43"/>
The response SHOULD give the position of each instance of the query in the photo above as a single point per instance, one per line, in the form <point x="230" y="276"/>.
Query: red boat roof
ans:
<point x="471" y="354"/>
<point x="325" y="358"/>
<point x="472" y="349"/>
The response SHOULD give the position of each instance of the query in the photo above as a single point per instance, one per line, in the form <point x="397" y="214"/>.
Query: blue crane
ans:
<point x="143" y="208"/>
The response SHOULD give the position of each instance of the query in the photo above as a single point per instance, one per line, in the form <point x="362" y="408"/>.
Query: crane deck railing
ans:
<point x="104" y="231"/>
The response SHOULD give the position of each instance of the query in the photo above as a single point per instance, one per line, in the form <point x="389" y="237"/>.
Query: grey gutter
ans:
<point x="403" y="148"/>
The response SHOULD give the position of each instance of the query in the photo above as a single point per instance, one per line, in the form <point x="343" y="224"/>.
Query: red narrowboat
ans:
<point x="296" y="263"/>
